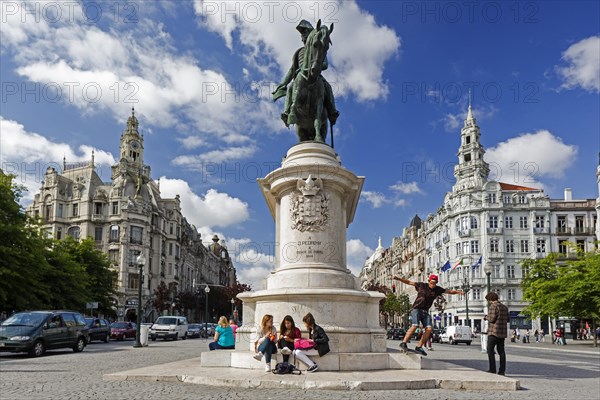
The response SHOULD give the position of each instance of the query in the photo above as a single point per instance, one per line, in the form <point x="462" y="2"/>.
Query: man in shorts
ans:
<point x="426" y="294"/>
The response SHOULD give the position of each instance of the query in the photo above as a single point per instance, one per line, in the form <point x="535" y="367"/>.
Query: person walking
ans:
<point x="497" y="332"/>
<point x="426" y="294"/>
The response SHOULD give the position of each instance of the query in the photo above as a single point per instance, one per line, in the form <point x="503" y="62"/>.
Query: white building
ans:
<point x="499" y="224"/>
<point x="128" y="216"/>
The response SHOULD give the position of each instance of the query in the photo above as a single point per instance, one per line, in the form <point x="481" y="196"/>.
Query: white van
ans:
<point x="456" y="334"/>
<point x="169" y="326"/>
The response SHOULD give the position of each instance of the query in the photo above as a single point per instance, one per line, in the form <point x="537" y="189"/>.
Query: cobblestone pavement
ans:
<point x="66" y="375"/>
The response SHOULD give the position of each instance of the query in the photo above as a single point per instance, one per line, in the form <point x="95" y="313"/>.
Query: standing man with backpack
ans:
<point x="426" y="294"/>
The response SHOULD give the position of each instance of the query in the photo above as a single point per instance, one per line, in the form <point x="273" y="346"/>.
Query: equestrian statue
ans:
<point x="309" y="102"/>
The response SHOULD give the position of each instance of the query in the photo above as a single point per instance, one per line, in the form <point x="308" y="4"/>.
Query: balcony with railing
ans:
<point x="98" y="218"/>
<point x="464" y="233"/>
<point x="540" y="230"/>
<point x="562" y="230"/>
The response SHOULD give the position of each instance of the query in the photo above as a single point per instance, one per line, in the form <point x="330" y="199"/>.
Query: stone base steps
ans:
<point x="329" y="362"/>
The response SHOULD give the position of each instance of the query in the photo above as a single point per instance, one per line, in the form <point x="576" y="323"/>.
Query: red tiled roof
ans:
<point x="508" y="186"/>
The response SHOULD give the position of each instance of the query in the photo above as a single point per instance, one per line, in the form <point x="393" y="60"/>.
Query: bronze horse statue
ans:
<point x="307" y="109"/>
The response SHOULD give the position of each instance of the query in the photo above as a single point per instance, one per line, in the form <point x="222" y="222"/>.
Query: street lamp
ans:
<point x="207" y="291"/>
<point x="232" y="306"/>
<point x="488" y="272"/>
<point x="141" y="261"/>
<point x="465" y="288"/>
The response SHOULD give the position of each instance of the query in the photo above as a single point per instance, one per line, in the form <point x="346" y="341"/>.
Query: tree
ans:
<point x="100" y="278"/>
<point x="22" y="253"/>
<point x="161" y="298"/>
<point x="556" y="289"/>
<point x="376" y="287"/>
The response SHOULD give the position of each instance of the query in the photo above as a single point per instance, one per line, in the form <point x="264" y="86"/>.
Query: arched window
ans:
<point x="74" y="232"/>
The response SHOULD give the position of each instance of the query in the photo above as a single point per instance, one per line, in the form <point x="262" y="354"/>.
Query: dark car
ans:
<point x="195" y="330"/>
<point x="98" y="329"/>
<point x="396" y="334"/>
<point x="34" y="332"/>
<point x="122" y="330"/>
<point x="435" y="336"/>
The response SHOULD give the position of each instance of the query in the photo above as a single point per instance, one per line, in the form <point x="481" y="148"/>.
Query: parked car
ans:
<point x="122" y="330"/>
<point x="207" y="330"/>
<point x="396" y="334"/>
<point x="169" y="327"/>
<point x="195" y="330"/>
<point x="99" y="329"/>
<point x="456" y="334"/>
<point x="435" y="336"/>
<point x="34" y="332"/>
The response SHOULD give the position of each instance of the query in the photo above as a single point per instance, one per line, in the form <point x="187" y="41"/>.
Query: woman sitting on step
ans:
<point x="287" y="334"/>
<point x="224" y="339"/>
<point x="265" y="336"/>
<point x="318" y="335"/>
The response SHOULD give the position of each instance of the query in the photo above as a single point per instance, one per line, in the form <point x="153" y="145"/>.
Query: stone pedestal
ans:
<point x="313" y="199"/>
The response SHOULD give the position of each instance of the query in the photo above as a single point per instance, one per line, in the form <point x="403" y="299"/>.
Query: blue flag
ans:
<point x="446" y="266"/>
<point x="477" y="264"/>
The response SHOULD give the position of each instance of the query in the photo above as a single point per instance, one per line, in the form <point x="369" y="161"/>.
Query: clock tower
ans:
<point x="132" y="143"/>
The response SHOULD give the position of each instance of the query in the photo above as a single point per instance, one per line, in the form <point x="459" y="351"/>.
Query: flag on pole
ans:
<point x="446" y="266"/>
<point x="460" y="262"/>
<point x="477" y="264"/>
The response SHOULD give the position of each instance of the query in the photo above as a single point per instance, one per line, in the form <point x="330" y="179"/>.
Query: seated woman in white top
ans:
<point x="264" y="344"/>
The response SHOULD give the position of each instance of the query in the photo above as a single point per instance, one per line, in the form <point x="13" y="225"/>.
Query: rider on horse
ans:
<point x="289" y="116"/>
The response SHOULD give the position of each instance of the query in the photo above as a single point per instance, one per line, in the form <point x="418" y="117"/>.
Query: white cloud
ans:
<point x="268" y="37"/>
<point x="109" y="70"/>
<point x="406" y="188"/>
<point x="213" y="209"/>
<point x="583" y="65"/>
<point x="529" y="157"/>
<point x="356" y="253"/>
<point x="197" y="162"/>
<point x="28" y="155"/>
<point x="376" y="199"/>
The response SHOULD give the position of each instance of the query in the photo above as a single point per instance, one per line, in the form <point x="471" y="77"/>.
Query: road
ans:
<point x="544" y="374"/>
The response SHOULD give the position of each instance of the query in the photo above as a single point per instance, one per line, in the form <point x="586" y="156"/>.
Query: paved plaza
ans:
<point x="544" y="371"/>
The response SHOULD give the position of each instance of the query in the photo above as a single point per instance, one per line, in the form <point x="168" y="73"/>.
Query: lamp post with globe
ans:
<point x="141" y="261"/>
<point x="207" y="291"/>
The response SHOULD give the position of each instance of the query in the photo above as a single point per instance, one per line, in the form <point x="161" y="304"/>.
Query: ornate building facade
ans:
<point x="488" y="225"/>
<point x="127" y="217"/>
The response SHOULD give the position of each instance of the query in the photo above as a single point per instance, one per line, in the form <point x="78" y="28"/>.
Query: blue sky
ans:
<point x="199" y="74"/>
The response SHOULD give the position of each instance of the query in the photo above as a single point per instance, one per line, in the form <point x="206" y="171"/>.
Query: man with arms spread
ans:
<point x="426" y="294"/>
<point x="497" y="331"/>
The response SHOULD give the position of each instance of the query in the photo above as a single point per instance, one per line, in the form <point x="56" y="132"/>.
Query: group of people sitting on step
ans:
<point x="290" y="341"/>
<point x="267" y="340"/>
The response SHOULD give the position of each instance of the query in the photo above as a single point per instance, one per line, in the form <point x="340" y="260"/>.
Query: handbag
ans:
<point x="304" y="344"/>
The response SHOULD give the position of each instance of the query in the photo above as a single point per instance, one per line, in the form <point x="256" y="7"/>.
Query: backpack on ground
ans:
<point x="284" y="368"/>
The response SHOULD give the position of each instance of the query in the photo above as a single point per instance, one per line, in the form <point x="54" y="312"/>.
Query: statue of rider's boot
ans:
<point x="292" y="119"/>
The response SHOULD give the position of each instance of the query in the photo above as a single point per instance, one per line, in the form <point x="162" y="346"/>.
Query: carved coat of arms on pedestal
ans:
<point x="310" y="205"/>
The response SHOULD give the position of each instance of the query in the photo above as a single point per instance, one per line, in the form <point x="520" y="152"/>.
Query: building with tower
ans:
<point x="126" y="217"/>
<point x="487" y="225"/>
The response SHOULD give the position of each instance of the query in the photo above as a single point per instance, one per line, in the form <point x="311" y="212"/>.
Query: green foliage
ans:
<point x="161" y="299"/>
<point x="41" y="273"/>
<point x="557" y="289"/>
